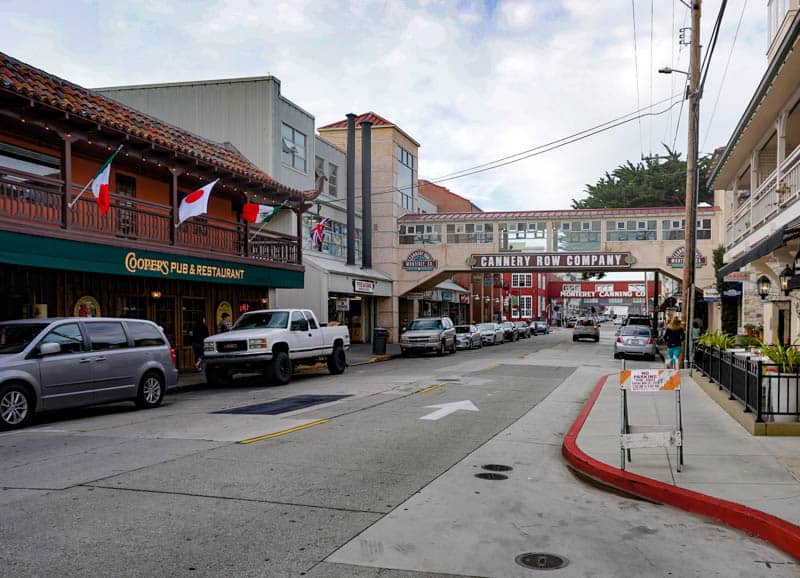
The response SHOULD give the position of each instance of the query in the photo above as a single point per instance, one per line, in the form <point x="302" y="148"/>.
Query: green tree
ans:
<point x="649" y="183"/>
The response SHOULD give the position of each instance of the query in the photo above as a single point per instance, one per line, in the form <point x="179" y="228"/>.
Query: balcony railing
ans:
<point x="766" y="202"/>
<point x="39" y="202"/>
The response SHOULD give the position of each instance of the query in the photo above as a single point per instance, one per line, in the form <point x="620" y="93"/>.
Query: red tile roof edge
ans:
<point x="549" y="214"/>
<point x="377" y="122"/>
<point x="448" y="191"/>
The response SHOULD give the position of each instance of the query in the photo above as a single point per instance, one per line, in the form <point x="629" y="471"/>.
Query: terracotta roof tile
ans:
<point x="375" y="119"/>
<point x="24" y="80"/>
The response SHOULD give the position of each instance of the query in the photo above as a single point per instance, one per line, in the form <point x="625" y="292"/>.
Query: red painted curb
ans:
<point x="778" y="532"/>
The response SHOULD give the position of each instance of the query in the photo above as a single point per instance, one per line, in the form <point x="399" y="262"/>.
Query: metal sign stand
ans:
<point x="649" y="436"/>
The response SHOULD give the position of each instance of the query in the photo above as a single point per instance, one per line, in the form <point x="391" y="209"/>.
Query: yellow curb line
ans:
<point x="430" y="388"/>
<point x="283" y="432"/>
<point x="375" y="359"/>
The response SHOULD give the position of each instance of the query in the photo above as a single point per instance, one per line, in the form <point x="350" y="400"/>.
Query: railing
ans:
<point x="759" y="385"/>
<point x="39" y="202"/>
<point x="420" y="239"/>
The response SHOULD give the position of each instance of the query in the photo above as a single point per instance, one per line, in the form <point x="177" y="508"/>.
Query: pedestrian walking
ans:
<point x="674" y="337"/>
<point x="225" y="323"/>
<point x="199" y="333"/>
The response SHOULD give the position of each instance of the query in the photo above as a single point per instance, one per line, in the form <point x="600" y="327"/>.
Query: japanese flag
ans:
<point x="195" y="203"/>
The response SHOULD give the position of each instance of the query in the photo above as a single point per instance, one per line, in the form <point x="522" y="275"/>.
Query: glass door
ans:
<point x="192" y="311"/>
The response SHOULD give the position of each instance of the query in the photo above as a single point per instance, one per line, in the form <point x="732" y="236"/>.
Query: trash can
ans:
<point x="380" y="336"/>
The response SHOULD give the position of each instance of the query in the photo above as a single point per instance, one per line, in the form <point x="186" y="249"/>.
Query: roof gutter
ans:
<point x="761" y="91"/>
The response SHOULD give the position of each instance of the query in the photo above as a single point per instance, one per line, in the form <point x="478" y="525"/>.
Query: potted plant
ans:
<point x="783" y="390"/>
<point x="783" y="189"/>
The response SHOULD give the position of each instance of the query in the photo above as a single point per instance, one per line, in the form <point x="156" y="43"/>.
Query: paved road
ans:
<point x="362" y="486"/>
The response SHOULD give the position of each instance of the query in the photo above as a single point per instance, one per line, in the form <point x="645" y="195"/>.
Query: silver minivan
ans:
<point x="48" y="364"/>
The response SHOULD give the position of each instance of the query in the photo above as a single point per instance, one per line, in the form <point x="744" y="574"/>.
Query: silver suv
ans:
<point x="428" y="334"/>
<point x="586" y="328"/>
<point x="48" y="364"/>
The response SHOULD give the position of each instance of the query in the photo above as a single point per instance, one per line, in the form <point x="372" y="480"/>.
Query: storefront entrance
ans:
<point x="355" y="311"/>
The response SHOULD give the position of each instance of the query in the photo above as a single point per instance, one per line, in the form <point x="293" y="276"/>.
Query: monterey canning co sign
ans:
<point x="551" y="261"/>
<point x="419" y="260"/>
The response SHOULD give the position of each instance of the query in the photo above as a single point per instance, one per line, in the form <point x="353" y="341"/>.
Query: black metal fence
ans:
<point x="759" y="385"/>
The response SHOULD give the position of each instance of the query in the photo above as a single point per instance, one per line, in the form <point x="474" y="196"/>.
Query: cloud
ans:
<point x="471" y="81"/>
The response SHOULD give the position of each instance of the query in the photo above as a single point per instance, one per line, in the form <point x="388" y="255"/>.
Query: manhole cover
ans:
<point x="541" y="561"/>
<point x="497" y="468"/>
<point x="488" y="476"/>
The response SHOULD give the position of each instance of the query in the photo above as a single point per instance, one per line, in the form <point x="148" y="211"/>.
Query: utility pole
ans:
<point x="691" y="183"/>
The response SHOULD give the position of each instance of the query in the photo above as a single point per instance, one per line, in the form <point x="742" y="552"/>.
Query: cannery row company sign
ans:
<point x="419" y="260"/>
<point x="551" y="261"/>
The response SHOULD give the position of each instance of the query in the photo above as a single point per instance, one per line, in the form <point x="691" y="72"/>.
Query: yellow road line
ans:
<point x="431" y="388"/>
<point x="492" y="366"/>
<point x="283" y="432"/>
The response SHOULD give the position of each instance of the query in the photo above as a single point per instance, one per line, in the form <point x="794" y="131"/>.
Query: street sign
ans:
<point x="649" y="380"/>
<point x="446" y="409"/>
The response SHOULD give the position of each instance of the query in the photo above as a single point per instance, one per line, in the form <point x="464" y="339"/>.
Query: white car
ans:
<point x="492" y="333"/>
<point x="619" y="320"/>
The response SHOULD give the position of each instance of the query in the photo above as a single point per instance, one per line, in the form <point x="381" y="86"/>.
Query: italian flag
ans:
<point x="100" y="184"/>
<point x="255" y="213"/>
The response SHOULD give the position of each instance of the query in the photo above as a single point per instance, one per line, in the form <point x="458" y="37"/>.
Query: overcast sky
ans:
<point x="471" y="81"/>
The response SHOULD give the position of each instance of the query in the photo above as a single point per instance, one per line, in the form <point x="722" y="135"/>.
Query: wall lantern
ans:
<point x="764" y="285"/>
<point x="497" y="300"/>
<point x="155" y="294"/>
<point x="264" y="300"/>
<point x="785" y="277"/>
<point x="486" y="299"/>
<point x="476" y="297"/>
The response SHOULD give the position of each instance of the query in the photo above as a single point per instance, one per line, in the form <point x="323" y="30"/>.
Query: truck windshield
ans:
<point x="14" y="337"/>
<point x="260" y="319"/>
<point x="425" y="324"/>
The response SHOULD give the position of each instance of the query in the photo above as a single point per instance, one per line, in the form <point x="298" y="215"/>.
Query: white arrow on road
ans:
<point x="446" y="409"/>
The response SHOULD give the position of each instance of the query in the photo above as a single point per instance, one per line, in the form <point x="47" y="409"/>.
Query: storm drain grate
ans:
<point x="541" y="561"/>
<point x="284" y="405"/>
<point x="497" y="468"/>
<point x="491" y="476"/>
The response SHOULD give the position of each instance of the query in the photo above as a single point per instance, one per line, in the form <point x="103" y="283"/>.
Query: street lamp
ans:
<point x="668" y="70"/>
<point x="784" y="277"/>
<point x="764" y="285"/>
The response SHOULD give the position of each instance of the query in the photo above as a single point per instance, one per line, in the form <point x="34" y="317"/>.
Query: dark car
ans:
<point x="523" y="329"/>
<point x="645" y="320"/>
<point x="510" y="331"/>
<point x="539" y="327"/>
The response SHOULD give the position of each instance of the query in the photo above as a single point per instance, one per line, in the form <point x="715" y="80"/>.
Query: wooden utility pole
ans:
<point x="691" y="181"/>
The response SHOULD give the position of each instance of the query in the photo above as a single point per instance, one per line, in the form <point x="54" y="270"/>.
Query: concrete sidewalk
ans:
<point x="359" y="354"/>
<point x="722" y="461"/>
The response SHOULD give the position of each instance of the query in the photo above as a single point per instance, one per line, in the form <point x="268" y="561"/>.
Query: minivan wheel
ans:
<point x="151" y="391"/>
<point x="16" y="407"/>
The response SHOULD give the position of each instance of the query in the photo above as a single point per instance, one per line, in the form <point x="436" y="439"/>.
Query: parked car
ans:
<point x="523" y="329"/>
<point x="571" y="321"/>
<point x="48" y="364"/>
<point x="468" y="337"/>
<point x="273" y="342"/>
<point x="540" y="327"/>
<point x="492" y="333"/>
<point x="510" y="331"/>
<point x="619" y="320"/>
<point x="428" y="334"/>
<point x="645" y="320"/>
<point x="635" y="340"/>
<point x="586" y="328"/>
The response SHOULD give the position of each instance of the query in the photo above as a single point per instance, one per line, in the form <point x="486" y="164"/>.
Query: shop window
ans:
<point x="132" y="307"/>
<point x="106" y="335"/>
<point x="526" y="306"/>
<point x="68" y="336"/>
<point x="522" y="280"/>
<point x="144" y="334"/>
<point x="193" y="311"/>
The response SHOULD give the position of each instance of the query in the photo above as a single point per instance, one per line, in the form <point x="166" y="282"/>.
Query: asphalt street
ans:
<point x="380" y="481"/>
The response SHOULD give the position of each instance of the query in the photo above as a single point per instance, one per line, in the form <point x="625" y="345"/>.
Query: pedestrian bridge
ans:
<point x="434" y="246"/>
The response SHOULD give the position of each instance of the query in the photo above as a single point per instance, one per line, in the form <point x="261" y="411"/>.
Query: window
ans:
<point x="144" y="334"/>
<point x="469" y="233"/>
<point x="293" y="153"/>
<point x="405" y="165"/>
<point x="68" y="336"/>
<point x="578" y="236"/>
<point x="106" y="335"/>
<point x="30" y="171"/>
<point x="420" y="234"/>
<point x="312" y="323"/>
<point x="522" y="279"/>
<point x="333" y="180"/>
<point x="704" y="228"/>
<point x="526" y="306"/>
<point x="776" y="12"/>
<point x="672" y="230"/>
<point x="319" y="167"/>
<point x="335" y="241"/>
<point x="193" y="311"/>
<point x="631" y="230"/>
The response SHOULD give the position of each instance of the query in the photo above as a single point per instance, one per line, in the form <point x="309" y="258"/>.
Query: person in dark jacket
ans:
<point x="674" y="337"/>
<point x="199" y="333"/>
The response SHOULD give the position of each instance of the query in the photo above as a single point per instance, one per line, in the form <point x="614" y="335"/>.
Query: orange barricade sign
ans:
<point x="650" y="380"/>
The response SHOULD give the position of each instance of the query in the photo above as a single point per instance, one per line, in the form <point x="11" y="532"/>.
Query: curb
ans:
<point x="376" y="359"/>
<point x="778" y="532"/>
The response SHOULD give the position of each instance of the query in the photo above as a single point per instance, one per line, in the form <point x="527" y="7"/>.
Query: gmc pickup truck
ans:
<point x="274" y="342"/>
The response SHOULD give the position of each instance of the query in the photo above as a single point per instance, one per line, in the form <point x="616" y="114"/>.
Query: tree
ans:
<point x="648" y="183"/>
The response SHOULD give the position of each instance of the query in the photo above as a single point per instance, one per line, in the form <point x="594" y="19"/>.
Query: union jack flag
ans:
<point x="318" y="232"/>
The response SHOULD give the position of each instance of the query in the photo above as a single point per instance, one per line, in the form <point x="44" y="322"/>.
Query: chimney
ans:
<point x="351" y="189"/>
<point x="366" y="194"/>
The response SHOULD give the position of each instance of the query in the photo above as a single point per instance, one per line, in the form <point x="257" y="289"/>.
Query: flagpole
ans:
<point x="265" y="223"/>
<point x="83" y="190"/>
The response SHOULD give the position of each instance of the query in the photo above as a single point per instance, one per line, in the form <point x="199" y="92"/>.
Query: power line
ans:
<point x="712" y="45"/>
<point x="652" y="71"/>
<point x="672" y="76"/>
<point x="636" y="70"/>
<point x="724" y="76"/>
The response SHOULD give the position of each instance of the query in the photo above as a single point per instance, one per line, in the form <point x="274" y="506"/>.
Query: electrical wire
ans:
<point x="724" y="76"/>
<point x="706" y="64"/>
<point x="636" y="70"/>
<point x="652" y="80"/>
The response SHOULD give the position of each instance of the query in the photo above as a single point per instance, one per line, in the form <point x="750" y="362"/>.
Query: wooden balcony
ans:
<point x="36" y="205"/>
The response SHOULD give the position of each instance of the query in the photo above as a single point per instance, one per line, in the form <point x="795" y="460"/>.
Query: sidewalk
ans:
<point x="359" y="354"/>
<point x="749" y="482"/>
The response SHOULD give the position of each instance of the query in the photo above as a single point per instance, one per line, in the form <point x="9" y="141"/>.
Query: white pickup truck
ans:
<point x="273" y="342"/>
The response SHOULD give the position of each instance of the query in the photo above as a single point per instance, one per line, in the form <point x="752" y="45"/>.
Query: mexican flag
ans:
<point x="255" y="213"/>
<point x="100" y="184"/>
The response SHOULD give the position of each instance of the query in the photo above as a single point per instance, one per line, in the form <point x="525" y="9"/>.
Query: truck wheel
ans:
<point x="337" y="361"/>
<point x="280" y="370"/>
<point x="440" y="351"/>
<point x="453" y="347"/>
<point x="218" y="377"/>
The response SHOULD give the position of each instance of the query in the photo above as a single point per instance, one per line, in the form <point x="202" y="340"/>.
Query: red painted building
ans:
<point x="582" y="296"/>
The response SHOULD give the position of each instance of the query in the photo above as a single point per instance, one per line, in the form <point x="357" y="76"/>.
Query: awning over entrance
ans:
<point x="346" y="278"/>
<point x="50" y="253"/>
<point x="775" y="241"/>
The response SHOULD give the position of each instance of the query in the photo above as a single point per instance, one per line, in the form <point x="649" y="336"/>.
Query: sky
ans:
<point x="471" y="81"/>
